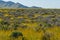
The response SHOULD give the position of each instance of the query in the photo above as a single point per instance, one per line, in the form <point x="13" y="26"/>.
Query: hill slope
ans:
<point x="11" y="4"/>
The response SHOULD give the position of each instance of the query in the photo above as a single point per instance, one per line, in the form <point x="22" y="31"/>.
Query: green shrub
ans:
<point x="16" y="34"/>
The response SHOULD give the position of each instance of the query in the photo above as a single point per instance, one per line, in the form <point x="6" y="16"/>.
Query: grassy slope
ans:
<point x="29" y="33"/>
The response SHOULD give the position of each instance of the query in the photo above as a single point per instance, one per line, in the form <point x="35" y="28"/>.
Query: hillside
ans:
<point x="30" y="24"/>
<point x="11" y="4"/>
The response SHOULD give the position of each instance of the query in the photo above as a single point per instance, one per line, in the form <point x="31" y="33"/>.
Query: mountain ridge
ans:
<point x="10" y="4"/>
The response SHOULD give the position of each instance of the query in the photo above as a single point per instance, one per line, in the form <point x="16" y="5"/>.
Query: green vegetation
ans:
<point x="29" y="24"/>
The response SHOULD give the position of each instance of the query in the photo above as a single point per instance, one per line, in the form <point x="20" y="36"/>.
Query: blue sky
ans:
<point x="39" y="3"/>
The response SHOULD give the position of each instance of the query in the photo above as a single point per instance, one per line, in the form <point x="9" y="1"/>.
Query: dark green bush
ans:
<point x="16" y="34"/>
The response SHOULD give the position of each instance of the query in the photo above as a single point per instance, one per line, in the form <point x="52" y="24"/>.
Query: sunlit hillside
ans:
<point x="30" y="24"/>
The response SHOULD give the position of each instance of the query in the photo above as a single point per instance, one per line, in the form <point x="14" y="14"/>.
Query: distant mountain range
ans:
<point x="11" y="4"/>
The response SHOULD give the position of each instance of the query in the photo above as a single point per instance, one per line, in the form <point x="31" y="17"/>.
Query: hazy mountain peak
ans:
<point x="11" y="4"/>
